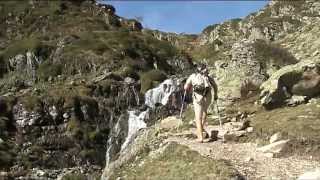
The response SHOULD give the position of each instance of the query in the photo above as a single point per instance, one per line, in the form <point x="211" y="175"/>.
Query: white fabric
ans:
<point x="198" y="79"/>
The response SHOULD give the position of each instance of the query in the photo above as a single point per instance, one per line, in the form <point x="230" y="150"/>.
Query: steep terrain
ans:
<point x="70" y="70"/>
<point x="267" y="69"/>
<point x="83" y="89"/>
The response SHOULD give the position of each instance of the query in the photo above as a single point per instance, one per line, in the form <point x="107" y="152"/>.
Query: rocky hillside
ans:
<point x="70" y="70"/>
<point x="268" y="73"/>
<point x="83" y="89"/>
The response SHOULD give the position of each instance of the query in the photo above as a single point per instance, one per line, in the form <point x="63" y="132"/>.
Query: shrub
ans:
<point x="22" y="46"/>
<point x="31" y="103"/>
<point x="6" y="159"/>
<point x="150" y="79"/>
<point x="3" y="66"/>
<point x="48" y="69"/>
<point x="74" y="176"/>
<point x="267" y="52"/>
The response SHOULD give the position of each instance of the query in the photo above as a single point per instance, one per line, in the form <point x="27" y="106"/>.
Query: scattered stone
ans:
<point x="238" y="126"/>
<point x="296" y="100"/>
<point x="170" y="122"/>
<point x="234" y="119"/>
<point x="249" y="129"/>
<point x="276" y="137"/>
<point x="269" y="155"/>
<point x="249" y="159"/>
<point x="276" y="147"/>
<point x="66" y="115"/>
<point x="129" y="80"/>
<point x="1" y="141"/>
<point x="233" y="135"/>
<point x="311" y="175"/>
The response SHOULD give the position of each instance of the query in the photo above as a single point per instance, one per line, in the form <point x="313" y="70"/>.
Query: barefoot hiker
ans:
<point x="201" y="85"/>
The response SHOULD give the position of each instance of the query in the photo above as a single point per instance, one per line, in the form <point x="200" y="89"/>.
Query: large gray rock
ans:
<point x="242" y="75"/>
<point x="301" y="79"/>
<point x="276" y="147"/>
<point x="162" y="93"/>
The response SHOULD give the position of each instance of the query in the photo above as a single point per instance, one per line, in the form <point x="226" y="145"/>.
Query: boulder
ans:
<point x="276" y="147"/>
<point x="249" y="129"/>
<point x="170" y="122"/>
<point x="311" y="175"/>
<point x="276" y="137"/>
<point x="238" y="126"/>
<point x="233" y="135"/>
<point x="301" y="79"/>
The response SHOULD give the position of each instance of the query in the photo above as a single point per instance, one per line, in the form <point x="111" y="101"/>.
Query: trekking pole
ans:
<point x="220" y="122"/>
<point x="182" y="106"/>
<point x="218" y="113"/>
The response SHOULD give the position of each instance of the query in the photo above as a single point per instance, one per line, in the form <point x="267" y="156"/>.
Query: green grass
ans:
<point x="74" y="176"/>
<point x="151" y="79"/>
<point x="177" y="162"/>
<point x="301" y="124"/>
<point x="22" y="46"/>
<point x="48" y="69"/>
<point x="274" y="54"/>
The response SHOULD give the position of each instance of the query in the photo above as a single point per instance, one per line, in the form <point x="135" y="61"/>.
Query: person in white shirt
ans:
<point x="201" y="85"/>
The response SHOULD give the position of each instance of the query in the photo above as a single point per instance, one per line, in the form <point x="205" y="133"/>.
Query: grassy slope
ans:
<point x="300" y="124"/>
<point x="177" y="162"/>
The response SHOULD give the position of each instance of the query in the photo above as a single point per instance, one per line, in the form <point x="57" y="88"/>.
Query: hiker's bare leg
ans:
<point x="198" y="116"/>
<point x="204" y="118"/>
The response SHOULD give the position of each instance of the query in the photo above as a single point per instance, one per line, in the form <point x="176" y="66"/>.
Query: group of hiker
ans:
<point x="201" y="85"/>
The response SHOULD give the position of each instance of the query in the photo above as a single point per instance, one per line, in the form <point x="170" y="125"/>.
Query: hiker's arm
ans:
<point x="188" y="84"/>
<point x="215" y="87"/>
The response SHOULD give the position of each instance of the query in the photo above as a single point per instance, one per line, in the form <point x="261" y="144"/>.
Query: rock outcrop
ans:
<point x="300" y="79"/>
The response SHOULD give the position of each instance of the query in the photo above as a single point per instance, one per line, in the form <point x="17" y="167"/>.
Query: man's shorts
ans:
<point x="203" y="101"/>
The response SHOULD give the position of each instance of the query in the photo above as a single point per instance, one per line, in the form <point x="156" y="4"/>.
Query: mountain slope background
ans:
<point x="70" y="71"/>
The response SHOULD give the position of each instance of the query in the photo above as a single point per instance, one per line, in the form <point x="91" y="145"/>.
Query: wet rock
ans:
<point x="162" y="93"/>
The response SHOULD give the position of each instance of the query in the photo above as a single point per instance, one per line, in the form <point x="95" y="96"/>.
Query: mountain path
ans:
<point x="251" y="163"/>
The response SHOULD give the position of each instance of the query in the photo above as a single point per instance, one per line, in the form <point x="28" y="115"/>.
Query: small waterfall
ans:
<point x="135" y="123"/>
<point x="161" y="94"/>
<point x="137" y="120"/>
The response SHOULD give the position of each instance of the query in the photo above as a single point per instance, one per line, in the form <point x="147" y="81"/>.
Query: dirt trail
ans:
<point x="251" y="163"/>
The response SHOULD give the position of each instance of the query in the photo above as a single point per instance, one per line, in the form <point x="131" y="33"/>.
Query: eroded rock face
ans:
<point x="300" y="79"/>
<point x="242" y="75"/>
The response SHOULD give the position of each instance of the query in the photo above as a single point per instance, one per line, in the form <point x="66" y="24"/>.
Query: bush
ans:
<point x="74" y="176"/>
<point x="271" y="52"/>
<point x="3" y="66"/>
<point x="150" y="79"/>
<point x="20" y="47"/>
<point x="48" y="69"/>
<point x="31" y="103"/>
